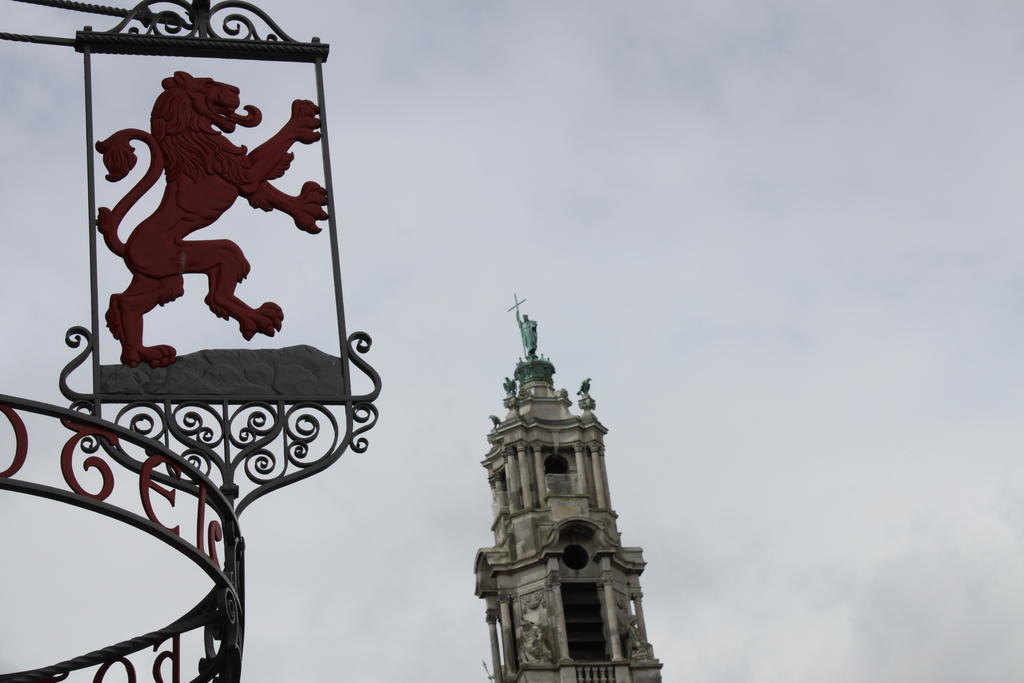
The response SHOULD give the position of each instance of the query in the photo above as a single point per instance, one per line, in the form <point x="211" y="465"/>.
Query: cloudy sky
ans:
<point x="782" y="237"/>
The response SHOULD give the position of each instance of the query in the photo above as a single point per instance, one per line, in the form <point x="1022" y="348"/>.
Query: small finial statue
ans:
<point x="632" y="642"/>
<point x="527" y="328"/>
<point x="510" y="386"/>
<point x="494" y="421"/>
<point x="586" y="402"/>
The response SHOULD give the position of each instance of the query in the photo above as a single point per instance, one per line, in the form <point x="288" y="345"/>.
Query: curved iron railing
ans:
<point x="214" y="544"/>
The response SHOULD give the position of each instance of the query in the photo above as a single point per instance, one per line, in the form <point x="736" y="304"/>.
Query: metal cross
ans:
<point x="515" y="297"/>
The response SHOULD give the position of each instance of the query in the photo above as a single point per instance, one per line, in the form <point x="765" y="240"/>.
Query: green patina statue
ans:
<point x="528" y="330"/>
<point x="584" y="391"/>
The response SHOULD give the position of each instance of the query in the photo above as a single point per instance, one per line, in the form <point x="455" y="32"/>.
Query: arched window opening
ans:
<point x="556" y="464"/>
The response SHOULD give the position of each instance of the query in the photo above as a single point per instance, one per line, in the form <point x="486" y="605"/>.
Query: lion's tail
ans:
<point x="119" y="158"/>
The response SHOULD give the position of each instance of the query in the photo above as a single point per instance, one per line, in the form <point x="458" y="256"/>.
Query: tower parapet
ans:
<point x="563" y="595"/>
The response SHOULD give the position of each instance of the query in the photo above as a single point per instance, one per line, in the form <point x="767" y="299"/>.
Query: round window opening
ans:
<point x="575" y="557"/>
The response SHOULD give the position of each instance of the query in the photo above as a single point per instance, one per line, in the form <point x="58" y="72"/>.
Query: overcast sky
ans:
<point x="783" y="238"/>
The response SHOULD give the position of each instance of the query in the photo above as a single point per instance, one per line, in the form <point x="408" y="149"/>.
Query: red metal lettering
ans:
<point x="20" y="442"/>
<point x="146" y="484"/>
<point x="67" y="465"/>
<point x="216" y="533"/>
<point x="201" y="517"/>
<point x="128" y="668"/>
<point x="174" y="655"/>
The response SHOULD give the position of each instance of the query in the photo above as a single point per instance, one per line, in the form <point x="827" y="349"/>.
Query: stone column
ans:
<point x="604" y="478"/>
<point x="554" y="586"/>
<point x="638" y="609"/>
<point x="601" y="501"/>
<point x="501" y="494"/>
<point x="581" y="470"/>
<point x="538" y="469"/>
<point x="512" y="477"/>
<point x="507" y="638"/>
<point x="498" y="495"/>
<point x="611" y="614"/>
<point x="492" y="619"/>
<point x="524" y="476"/>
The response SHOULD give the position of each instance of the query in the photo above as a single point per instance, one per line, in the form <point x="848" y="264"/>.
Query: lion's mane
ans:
<point x="189" y="145"/>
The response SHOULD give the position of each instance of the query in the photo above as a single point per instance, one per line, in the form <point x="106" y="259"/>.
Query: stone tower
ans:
<point x="563" y="595"/>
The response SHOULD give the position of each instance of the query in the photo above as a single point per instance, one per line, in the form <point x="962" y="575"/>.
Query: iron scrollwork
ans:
<point x="198" y="19"/>
<point x="232" y="29"/>
<point x="248" y="446"/>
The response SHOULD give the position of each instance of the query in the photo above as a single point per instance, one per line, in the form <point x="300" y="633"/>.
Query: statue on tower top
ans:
<point x="527" y="329"/>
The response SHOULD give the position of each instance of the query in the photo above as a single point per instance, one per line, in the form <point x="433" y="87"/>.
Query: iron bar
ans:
<point x="202" y="614"/>
<point x="90" y="170"/>
<point x="223" y="48"/>
<point x="40" y="40"/>
<point x="80" y="7"/>
<point x="332" y="222"/>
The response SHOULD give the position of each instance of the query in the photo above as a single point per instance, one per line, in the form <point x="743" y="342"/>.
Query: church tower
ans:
<point x="563" y="595"/>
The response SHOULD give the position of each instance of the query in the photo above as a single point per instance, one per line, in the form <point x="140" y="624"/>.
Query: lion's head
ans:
<point x="188" y="103"/>
<point x="183" y="121"/>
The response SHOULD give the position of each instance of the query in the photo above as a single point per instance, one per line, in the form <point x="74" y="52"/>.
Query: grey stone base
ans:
<point x="294" y="371"/>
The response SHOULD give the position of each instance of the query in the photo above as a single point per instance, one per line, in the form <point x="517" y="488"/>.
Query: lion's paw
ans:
<point x="302" y="108"/>
<point x="105" y="220"/>
<point x="266" y="320"/>
<point x="308" y="210"/>
<point x="305" y="120"/>
<point x="159" y="356"/>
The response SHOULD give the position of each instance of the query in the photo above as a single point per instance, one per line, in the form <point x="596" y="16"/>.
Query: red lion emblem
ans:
<point x="205" y="174"/>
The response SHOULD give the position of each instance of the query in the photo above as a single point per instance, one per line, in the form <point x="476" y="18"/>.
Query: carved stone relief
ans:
<point x="535" y="628"/>
<point x="533" y="601"/>
<point x="633" y="645"/>
<point x="535" y="644"/>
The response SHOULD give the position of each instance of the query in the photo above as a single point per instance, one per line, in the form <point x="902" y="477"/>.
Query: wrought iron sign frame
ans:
<point x="221" y="447"/>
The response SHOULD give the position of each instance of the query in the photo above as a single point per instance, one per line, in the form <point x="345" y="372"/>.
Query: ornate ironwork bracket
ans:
<point x="249" y="444"/>
<point x="220" y="447"/>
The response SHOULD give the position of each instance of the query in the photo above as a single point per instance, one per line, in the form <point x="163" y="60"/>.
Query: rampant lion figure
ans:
<point x="205" y="174"/>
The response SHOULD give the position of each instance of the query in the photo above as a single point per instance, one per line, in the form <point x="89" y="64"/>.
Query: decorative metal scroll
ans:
<point x="248" y="443"/>
<point x="197" y="20"/>
<point x="231" y="29"/>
